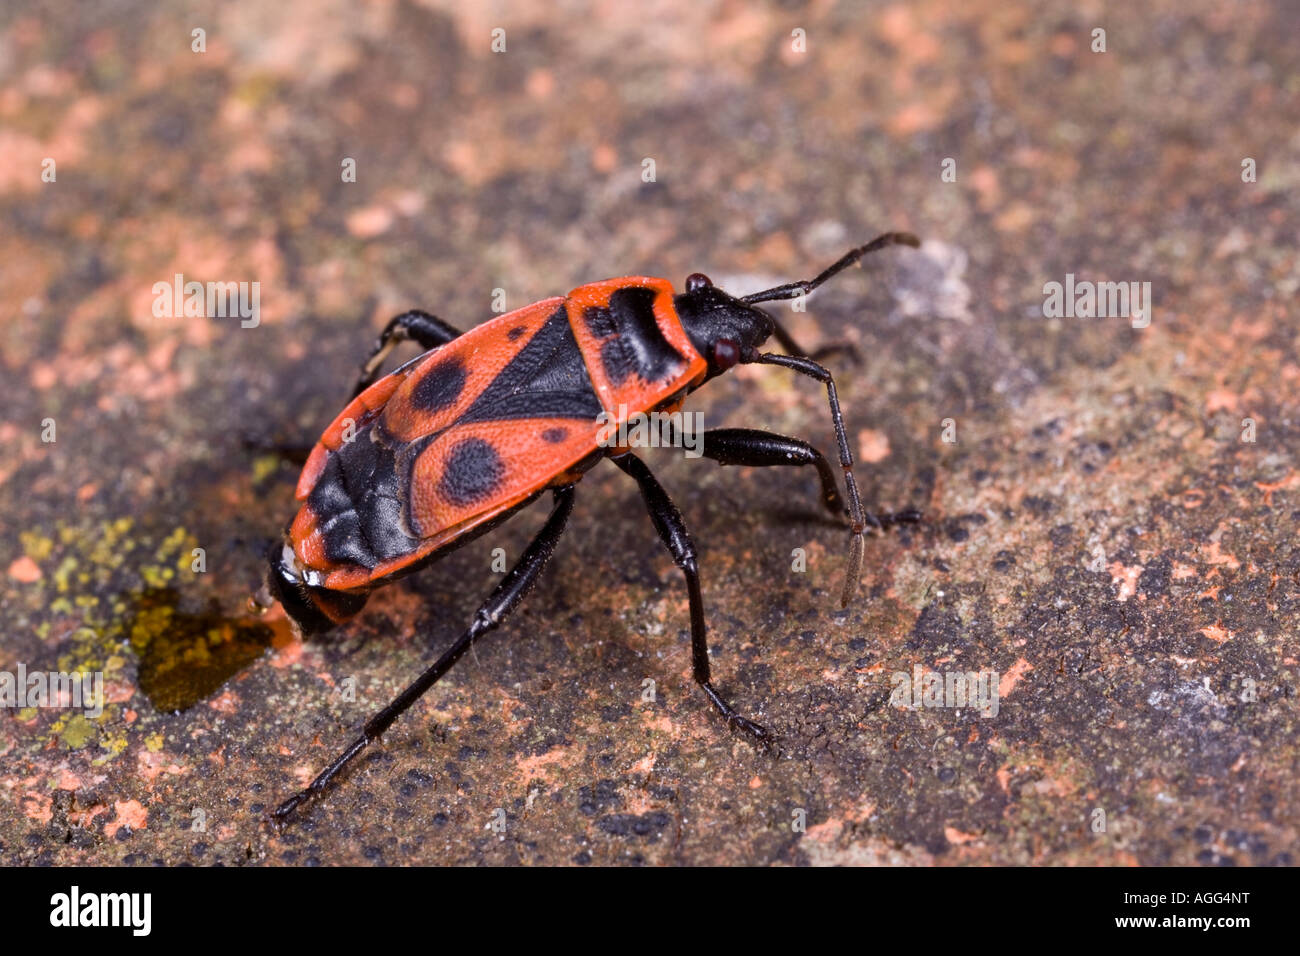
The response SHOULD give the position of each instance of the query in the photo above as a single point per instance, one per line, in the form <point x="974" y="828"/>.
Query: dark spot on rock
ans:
<point x="1154" y="578"/>
<point x="937" y="843"/>
<point x="1092" y="456"/>
<point x="644" y="825"/>
<point x="955" y="527"/>
<point x="613" y="713"/>
<point x="171" y="127"/>
<point x="1050" y="429"/>
<point x="1038" y="507"/>
<point x="603" y="796"/>
<point x="936" y="628"/>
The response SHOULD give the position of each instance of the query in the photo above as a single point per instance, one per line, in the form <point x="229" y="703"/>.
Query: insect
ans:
<point x="463" y="436"/>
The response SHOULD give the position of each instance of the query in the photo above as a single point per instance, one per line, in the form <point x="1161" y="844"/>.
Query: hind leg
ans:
<point x="504" y="598"/>
<point x="668" y="522"/>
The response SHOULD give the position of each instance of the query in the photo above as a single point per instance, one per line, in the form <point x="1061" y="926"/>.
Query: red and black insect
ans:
<point x="460" y="438"/>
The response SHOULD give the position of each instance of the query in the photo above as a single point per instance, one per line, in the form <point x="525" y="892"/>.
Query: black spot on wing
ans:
<point x="473" y="470"/>
<point x="440" y="386"/>
<point x="514" y="333"/>
<point x="555" y="435"/>
<point x="632" y="340"/>
<point x="547" y="379"/>
<point x="357" y="503"/>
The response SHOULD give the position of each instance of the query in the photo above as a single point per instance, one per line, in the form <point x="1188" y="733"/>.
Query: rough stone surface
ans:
<point x="1099" y="533"/>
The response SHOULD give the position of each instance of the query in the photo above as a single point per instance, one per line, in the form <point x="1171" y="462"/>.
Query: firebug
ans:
<point x="482" y="423"/>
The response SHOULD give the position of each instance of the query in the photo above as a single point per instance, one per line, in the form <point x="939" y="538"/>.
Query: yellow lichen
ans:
<point x="112" y="745"/>
<point x="77" y="732"/>
<point x="264" y="467"/>
<point x="36" y="546"/>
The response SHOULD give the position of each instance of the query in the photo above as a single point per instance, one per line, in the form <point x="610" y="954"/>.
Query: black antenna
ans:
<point x="792" y="290"/>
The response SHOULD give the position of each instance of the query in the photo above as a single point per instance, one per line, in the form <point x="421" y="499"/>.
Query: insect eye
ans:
<point x="726" y="353"/>
<point x="696" y="281"/>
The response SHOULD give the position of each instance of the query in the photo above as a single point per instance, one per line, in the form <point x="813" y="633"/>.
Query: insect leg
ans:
<point x="668" y="522"/>
<point x="787" y="342"/>
<point x="891" y="519"/>
<point x="503" y="599"/>
<point x="760" y="449"/>
<point x="427" y="331"/>
<point x="857" y="519"/>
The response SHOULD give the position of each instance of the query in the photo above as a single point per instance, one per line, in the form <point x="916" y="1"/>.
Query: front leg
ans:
<point x="787" y="342"/>
<point x="760" y="449"/>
